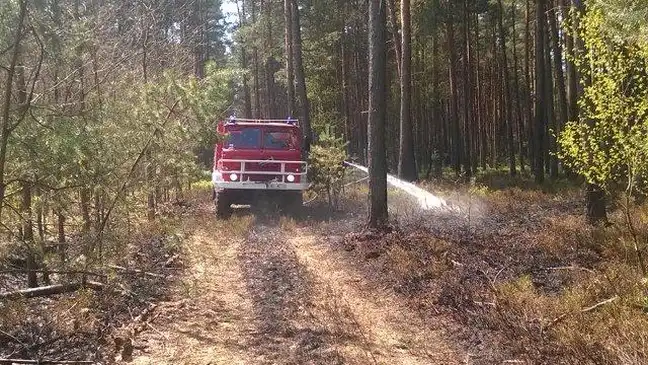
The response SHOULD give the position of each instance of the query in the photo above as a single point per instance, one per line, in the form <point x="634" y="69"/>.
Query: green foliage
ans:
<point x="609" y="143"/>
<point x="326" y="165"/>
<point x="625" y="19"/>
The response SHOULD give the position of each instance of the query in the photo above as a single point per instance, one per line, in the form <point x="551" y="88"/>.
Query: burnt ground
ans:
<point x="449" y="265"/>
<point x="260" y="288"/>
<point x="319" y="290"/>
<point x="272" y="290"/>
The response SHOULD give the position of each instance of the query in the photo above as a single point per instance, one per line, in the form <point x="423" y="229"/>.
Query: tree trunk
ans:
<point x="551" y="160"/>
<point x="378" y="218"/>
<point x="60" y="223"/>
<point x="516" y="85"/>
<point x="467" y="122"/>
<point x="528" y="85"/>
<point x="28" y="233"/>
<point x="290" y="78"/>
<point x="393" y="20"/>
<point x="346" y="95"/>
<point x="247" y="99"/>
<point x="540" y="112"/>
<point x="507" y="92"/>
<point x="595" y="205"/>
<point x="572" y="75"/>
<point x="406" y="160"/>
<point x="300" y="78"/>
<point x="255" y="60"/>
<point x="454" y="113"/>
<point x="5" y="127"/>
<point x="561" y="106"/>
<point x="150" y="179"/>
<point x="199" y="39"/>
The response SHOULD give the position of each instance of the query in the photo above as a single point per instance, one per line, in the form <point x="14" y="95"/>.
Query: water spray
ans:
<point x="426" y="200"/>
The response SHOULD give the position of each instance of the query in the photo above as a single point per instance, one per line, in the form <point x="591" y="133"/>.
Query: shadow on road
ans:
<point x="280" y="289"/>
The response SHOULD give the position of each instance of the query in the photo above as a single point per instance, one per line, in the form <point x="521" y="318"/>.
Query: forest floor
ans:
<point x="508" y="274"/>
<point x="274" y="290"/>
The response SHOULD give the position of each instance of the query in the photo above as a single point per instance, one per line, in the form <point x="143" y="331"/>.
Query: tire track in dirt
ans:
<point x="392" y="333"/>
<point x="212" y="315"/>
<point x="280" y="289"/>
<point x="259" y="289"/>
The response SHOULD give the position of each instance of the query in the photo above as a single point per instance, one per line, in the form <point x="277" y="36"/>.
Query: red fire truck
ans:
<point x="258" y="160"/>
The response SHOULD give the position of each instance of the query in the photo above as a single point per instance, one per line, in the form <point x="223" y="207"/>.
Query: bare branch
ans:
<point x="50" y="290"/>
<point x="584" y="310"/>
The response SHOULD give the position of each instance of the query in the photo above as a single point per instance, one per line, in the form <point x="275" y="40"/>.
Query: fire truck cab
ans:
<point x="258" y="160"/>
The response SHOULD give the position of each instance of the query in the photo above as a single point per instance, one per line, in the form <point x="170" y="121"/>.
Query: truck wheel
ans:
<point x="293" y="202"/>
<point x="223" y="204"/>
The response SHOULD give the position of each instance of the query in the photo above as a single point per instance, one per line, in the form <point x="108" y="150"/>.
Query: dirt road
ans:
<point x="264" y="290"/>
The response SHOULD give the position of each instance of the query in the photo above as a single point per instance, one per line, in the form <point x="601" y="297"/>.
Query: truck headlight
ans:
<point x="233" y="177"/>
<point x="290" y="178"/>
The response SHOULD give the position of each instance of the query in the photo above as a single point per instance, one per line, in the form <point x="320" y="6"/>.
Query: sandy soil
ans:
<point x="266" y="290"/>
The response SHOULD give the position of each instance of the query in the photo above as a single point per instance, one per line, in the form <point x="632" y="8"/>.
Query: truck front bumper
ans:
<point x="220" y="184"/>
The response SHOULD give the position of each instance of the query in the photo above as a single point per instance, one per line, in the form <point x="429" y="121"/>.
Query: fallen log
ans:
<point x="45" y="291"/>
<point x="136" y="271"/>
<point x="58" y="272"/>
<point x="52" y="362"/>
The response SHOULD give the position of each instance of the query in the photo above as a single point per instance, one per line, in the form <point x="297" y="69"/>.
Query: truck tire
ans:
<point x="222" y="204"/>
<point x="292" y="203"/>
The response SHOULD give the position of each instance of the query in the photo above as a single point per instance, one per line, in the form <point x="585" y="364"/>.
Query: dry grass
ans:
<point x="80" y="325"/>
<point x="522" y="274"/>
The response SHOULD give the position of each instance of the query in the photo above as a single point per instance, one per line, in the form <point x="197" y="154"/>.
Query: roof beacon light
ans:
<point x="232" y="120"/>
<point x="290" y="121"/>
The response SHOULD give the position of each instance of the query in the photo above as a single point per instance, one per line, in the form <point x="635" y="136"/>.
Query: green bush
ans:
<point x="326" y="166"/>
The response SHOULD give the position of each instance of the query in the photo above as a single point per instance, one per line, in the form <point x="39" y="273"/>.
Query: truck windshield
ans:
<point x="244" y="138"/>
<point x="280" y="140"/>
<point x="266" y="138"/>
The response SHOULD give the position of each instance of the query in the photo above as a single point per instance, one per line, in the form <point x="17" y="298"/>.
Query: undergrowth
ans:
<point x="526" y="277"/>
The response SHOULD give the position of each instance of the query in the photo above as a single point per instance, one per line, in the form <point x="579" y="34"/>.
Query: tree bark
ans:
<point x="596" y="211"/>
<point x="50" y="290"/>
<point x="540" y="112"/>
<point x="572" y="75"/>
<point x="346" y="95"/>
<point x="393" y="20"/>
<point x="290" y="78"/>
<point x="518" y="104"/>
<point x="28" y="233"/>
<point x="378" y="218"/>
<point x="247" y="99"/>
<point x="406" y="160"/>
<point x="199" y="39"/>
<point x="528" y="85"/>
<point x="467" y="119"/>
<point x="255" y="60"/>
<point x="60" y="223"/>
<point x="453" y="117"/>
<point x="561" y="106"/>
<point x="5" y="127"/>
<point x="507" y="92"/>
<point x="551" y="161"/>
<point x="300" y="78"/>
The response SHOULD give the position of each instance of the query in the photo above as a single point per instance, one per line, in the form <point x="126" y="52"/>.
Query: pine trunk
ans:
<point x="540" y="106"/>
<point x="290" y="78"/>
<point x="406" y="160"/>
<point x="300" y="78"/>
<point x="378" y="218"/>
